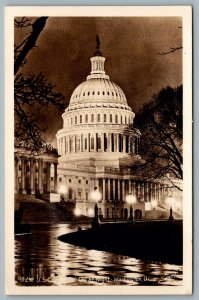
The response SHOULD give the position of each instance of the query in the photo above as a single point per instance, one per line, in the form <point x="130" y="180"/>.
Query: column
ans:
<point x="109" y="142"/>
<point x="123" y="192"/>
<point x="103" y="189"/>
<point x="74" y="144"/>
<point x="16" y="176"/>
<point x="113" y="189"/>
<point x="55" y="177"/>
<point x="109" y="189"/>
<point x="40" y="176"/>
<point x="23" y="175"/>
<point x="118" y="188"/>
<point x="118" y="144"/>
<point x="88" y="142"/>
<point x="32" y="176"/>
<point x="102" y="142"/>
<point x="48" y="176"/>
<point x="124" y="143"/>
<point x="129" y="144"/>
<point x="130" y="187"/>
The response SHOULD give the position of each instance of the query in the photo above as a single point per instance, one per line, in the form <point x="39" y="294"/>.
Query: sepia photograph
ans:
<point x="99" y="112"/>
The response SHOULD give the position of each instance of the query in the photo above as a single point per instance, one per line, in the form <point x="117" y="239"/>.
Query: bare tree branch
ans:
<point x="37" y="27"/>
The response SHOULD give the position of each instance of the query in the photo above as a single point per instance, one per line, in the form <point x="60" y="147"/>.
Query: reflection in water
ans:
<point x="41" y="259"/>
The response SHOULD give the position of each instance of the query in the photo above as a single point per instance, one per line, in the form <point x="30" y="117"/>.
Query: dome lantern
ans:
<point x="97" y="61"/>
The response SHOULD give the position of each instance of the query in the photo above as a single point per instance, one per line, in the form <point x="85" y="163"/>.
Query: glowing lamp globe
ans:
<point x="77" y="212"/>
<point x="95" y="196"/>
<point x="130" y="199"/>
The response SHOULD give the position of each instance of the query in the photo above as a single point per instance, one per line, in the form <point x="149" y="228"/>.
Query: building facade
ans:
<point x="95" y="151"/>
<point x="33" y="173"/>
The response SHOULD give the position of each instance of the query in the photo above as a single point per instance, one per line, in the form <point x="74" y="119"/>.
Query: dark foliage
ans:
<point x="160" y="124"/>
<point x="32" y="94"/>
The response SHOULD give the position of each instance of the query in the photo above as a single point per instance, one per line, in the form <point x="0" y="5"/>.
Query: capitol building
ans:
<point x="96" y="153"/>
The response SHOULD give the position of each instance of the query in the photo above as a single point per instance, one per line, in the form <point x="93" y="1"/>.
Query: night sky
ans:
<point x="131" y="47"/>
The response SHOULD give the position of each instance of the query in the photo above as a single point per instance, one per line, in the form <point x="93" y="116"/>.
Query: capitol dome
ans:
<point x="95" y="119"/>
<point x="98" y="90"/>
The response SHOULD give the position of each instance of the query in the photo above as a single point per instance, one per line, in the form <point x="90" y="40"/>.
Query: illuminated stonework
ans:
<point x="94" y="151"/>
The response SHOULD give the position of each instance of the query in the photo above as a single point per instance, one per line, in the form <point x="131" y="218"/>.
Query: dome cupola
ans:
<point x="98" y="90"/>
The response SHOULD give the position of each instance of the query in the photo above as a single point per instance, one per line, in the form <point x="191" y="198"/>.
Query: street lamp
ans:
<point x="130" y="199"/>
<point x="154" y="203"/>
<point x="95" y="196"/>
<point x="62" y="191"/>
<point x="170" y="201"/>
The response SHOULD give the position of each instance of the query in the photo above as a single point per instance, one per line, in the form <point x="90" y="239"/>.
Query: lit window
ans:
<point x="98" y="118"/>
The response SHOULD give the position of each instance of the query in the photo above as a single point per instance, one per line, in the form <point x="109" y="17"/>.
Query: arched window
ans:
<point x="92" y="118"/>
<point x="92" y="143"/>
<point x="86" y="118"/>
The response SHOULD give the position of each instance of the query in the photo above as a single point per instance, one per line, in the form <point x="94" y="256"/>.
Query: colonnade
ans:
<point x="33" y="175"/>
<point x="116" y="190"/>
<point x="98" y="142"/>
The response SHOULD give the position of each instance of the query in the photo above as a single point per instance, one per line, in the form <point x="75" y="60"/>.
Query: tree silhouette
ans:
<point x="32" y="94"/>
<point x="160" y="124"/>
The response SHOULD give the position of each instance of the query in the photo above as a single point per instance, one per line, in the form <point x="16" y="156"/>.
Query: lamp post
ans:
<point x="130" y="199"/>
<point x="63" y="191"/>
<point x="95" y="196"/>
<point x="170" y="201"/>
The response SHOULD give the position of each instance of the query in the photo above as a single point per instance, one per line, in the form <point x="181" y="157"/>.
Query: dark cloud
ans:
<point x="131" y="47"/>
